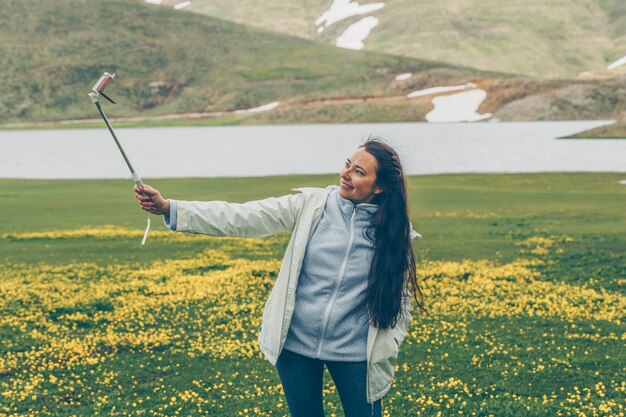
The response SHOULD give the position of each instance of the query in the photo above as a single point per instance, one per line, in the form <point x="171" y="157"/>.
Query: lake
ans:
<point x="236" y="151"/>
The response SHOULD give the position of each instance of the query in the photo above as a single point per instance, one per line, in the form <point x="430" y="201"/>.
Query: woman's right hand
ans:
<point x="151" y="200"/>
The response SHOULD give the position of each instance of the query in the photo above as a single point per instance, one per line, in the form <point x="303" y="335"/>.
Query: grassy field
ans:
<point x="523" y="276"/>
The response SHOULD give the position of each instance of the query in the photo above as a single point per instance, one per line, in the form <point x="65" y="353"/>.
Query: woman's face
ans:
<point x="358" y="178"/>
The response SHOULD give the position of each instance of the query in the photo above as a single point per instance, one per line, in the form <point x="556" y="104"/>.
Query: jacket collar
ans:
<point x="348" y="206"/>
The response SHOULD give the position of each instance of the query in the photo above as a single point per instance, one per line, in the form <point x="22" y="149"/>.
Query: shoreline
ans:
<point x="614" y="131"/>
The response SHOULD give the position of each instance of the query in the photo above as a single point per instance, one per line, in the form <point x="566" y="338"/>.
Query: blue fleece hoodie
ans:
<point x="330" y="317"/>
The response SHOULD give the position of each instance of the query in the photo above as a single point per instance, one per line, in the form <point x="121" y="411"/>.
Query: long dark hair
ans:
<point x="393" y="265"/>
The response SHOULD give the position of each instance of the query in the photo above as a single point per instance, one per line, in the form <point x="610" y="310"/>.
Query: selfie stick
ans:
<point x="96" y="91"/>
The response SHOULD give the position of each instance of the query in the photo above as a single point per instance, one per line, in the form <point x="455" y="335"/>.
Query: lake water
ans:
<point x="305" y="149"/>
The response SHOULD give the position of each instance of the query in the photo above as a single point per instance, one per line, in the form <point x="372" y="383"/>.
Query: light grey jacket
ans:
<point x="291" y="213"/>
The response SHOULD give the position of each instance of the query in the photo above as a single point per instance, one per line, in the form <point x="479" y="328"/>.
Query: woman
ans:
<point x="342" y="297"/>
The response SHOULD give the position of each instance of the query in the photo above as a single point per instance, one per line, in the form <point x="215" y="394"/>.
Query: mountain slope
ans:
<point x="52" y="53"/>
<point x="556" y="39"/>
<point x="173" y="66"/>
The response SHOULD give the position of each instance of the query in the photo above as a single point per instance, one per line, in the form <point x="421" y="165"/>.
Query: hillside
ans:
<point x="168" y="62"/>
<point x="179" y="68"/>
<point x="556" y="39"/>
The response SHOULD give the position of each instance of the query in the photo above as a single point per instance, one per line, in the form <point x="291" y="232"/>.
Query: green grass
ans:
<point x="614" y="131"/>
<point x="167" y="62"/>
<point x="465" y="355"/>
<point x="337" y="113"/>
<point x="492" y="35"/>
<point x="230" y="120"/>
<point x="443" y="206"/>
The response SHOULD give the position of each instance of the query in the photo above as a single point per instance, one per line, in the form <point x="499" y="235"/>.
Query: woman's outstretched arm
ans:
<point x="219" y="218"/>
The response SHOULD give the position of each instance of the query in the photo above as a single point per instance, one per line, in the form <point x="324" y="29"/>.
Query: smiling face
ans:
<point x="358" y="178"/>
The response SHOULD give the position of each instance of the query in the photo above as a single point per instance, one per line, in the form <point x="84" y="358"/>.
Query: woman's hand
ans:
<point x="151" y="200"/>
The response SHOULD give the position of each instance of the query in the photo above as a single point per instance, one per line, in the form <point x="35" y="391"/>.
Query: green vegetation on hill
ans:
<point x="555" y="39"/>
<point x="174" y="63"/>
<point x="166" y="61"/>
<point x="614" y="131"/>
<point x="616" y="18"/>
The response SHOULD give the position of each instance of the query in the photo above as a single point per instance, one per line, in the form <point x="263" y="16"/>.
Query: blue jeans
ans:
<point x="302" y="380"/>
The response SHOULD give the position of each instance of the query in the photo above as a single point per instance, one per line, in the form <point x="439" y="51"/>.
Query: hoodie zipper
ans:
<point x="342" y="273"/>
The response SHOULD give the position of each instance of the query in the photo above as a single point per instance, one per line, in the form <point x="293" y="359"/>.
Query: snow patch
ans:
<point x="343" y="9"/>
<point x="153" y="1"/>
<point x="622" y="182"/>
<point x="355" y="34"/>
<point x="460" y="107"/>
<point x="264" y="107"/>
<point x="433" y="90"/>
<point x="617" y="63"/>
<point x="181" y="5"/>
<point x="403" y="77"/>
